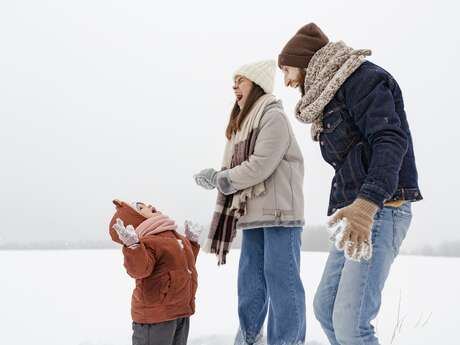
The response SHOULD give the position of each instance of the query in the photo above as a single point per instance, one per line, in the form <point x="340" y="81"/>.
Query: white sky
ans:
<point x="102" y="99"/>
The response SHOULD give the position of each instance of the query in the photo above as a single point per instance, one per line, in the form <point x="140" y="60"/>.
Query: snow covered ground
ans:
<point x="82" y="298"/>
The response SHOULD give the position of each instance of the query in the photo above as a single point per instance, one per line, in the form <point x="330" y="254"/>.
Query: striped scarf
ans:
<point x="231" y="207"/>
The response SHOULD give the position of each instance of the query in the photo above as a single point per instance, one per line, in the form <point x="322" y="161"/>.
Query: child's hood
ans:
<point x="144" y="226"/>
<point x="128" y="215"/>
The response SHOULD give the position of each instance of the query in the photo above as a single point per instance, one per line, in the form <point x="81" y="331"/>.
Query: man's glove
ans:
<point x="355" y="237"/>
<point x="126" y="234"/>
<point x="206" y="178"/>
<point x="192" y="231"/>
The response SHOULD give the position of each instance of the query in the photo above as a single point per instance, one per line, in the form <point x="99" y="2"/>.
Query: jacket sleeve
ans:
<point x="139" y="262"/>
<point x="375" y="115"/>
<point x="195" y="248"/>
<point x="271" y="145"/>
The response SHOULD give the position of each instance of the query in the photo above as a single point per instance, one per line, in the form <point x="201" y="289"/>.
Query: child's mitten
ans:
<point x="192" y="231"/>
<point x="126" y="234"/>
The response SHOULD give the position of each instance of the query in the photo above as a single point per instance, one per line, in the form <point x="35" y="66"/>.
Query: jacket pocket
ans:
<point x="194" y="288"/>
<point x="283" y="193"/>
<point x="180" y="288"/>
<point x="351" y="176"/>
<point x="155" y="289"/>
<point x="402" y="219"/>
<point x="337" y="135"/>
<point x="361" y="161"/>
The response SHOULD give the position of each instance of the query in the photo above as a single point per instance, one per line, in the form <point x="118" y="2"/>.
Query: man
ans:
<point x="357" y="115"/>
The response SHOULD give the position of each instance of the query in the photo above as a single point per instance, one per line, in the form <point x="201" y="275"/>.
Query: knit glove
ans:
<point x="206" y="178"/>
<point x="337" y="232"/>
<point x="126" y="234"/>
<point x="192" y="231"/>
<point x="355" y="236"/>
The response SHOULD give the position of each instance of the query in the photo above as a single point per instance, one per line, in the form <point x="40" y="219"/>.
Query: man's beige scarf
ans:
<point x="328" y="69"/>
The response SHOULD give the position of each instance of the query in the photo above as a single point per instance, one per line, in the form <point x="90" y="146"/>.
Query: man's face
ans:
<point x="293" y="76"/>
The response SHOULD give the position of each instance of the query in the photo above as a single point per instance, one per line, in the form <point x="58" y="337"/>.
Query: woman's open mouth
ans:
<point x="238" y="97"/>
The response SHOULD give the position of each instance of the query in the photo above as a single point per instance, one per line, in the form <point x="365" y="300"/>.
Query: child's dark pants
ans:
<point x="174" y="332"/>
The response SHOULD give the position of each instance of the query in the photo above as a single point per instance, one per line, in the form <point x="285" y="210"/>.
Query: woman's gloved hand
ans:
<point x="206" y="178"/>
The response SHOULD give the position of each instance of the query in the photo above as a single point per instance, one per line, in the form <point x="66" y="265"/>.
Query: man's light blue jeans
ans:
<point x="349" y="294"/>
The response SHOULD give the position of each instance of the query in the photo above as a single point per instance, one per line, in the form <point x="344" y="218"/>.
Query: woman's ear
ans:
<point x="117" y="203"/>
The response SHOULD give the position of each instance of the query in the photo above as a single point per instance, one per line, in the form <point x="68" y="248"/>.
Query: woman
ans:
<point x="261" y="192"/>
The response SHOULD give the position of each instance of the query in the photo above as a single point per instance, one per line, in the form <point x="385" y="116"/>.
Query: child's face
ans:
<point x="146" y="210"/>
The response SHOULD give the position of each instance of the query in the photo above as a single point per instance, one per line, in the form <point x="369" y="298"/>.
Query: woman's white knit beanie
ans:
<point x="262" y="73"/>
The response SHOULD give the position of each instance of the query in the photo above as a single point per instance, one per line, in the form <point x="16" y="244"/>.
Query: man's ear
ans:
<point x="117" y="203"/>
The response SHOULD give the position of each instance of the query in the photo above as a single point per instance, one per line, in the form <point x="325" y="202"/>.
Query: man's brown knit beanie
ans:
<point x="301" y="48"/>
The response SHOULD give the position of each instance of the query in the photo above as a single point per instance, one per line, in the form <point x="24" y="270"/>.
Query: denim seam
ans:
<point x="292" y="283"/>
<point x="251" y="331"/>
<point x="393" y="215"/>
<point x="362" y="301"/>
<point x="369" y="265"/>
<point x="363" y="295"/>
<point x="334" y="294"/>
<point x="342" y="184"/>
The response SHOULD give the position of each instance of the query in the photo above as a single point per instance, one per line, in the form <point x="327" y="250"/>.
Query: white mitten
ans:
<point x="206" y="178"/>
<point x="192" y="231"/>
<point x="126" y="234"/>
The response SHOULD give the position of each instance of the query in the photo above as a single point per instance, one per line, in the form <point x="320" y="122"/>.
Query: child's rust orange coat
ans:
<point x="164" y="268"/>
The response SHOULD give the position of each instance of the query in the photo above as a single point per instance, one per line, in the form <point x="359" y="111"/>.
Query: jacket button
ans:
<point x="322" y="143"/>
<point x="328" y="125"/>
<point x="335" y="185"/>
<point x="333" y="210"/>
<point x="334" y="163"/>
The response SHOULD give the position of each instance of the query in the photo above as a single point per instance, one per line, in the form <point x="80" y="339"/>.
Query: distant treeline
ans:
<point x="314" y="239"/>
<point x="61" y="245"/>
<point x="447" y="249"/>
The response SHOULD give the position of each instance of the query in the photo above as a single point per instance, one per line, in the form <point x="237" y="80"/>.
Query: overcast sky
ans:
<point x="128" y="99"/>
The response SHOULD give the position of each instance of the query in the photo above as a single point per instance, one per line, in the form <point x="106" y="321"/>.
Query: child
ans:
<point x="163" y="263"/>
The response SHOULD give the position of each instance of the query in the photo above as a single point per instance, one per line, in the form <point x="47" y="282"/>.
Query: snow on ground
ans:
<point x="82" y="297"/>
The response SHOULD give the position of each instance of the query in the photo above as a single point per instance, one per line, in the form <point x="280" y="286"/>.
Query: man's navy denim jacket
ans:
<point x="366" y="138"/>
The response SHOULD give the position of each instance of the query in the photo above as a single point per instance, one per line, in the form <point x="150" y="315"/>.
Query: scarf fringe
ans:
<point x="220" y="253"/>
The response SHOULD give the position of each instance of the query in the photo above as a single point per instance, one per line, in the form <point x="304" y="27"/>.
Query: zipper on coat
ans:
<point x="182" y="246"/>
